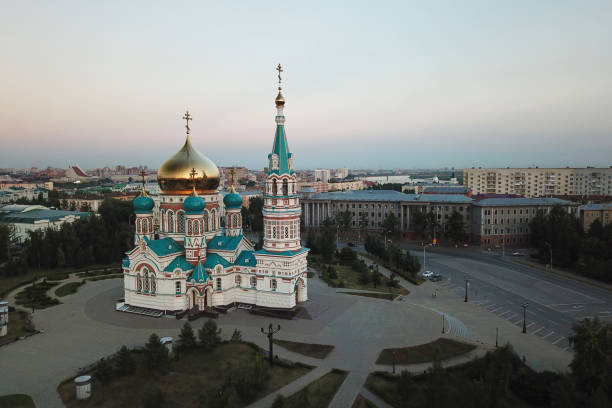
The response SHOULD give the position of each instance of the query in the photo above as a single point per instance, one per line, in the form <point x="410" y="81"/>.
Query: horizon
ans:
<point x="393" y="86"/>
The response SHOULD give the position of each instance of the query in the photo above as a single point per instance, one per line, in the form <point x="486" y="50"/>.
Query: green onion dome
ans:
<point x="143" y="204"/>
<point x="232" y="200"/>
<point x="194" y="204"/>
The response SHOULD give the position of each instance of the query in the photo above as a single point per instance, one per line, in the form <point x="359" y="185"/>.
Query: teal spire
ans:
<point x="280" y="159"/>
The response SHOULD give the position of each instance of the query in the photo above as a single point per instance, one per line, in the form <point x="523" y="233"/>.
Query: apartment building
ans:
<point x="592" y="212"/>
<point x="540" y="182"/>
<point x="505" y="221"/>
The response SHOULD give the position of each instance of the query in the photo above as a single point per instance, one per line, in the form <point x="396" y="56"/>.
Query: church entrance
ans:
<point x="192" y="298"/>
<point x="299" y="291"/>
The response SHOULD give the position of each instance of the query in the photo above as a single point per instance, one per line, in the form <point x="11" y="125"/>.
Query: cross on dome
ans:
<point x="187" y="117"/>
<point x="280" y="70"/>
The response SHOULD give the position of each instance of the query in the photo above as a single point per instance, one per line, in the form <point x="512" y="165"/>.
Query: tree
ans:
<point x="125" y="362"/>
<point x="187" y="338"/>
<point x="390" y="223"/>
<point x="157" y="354"/>
<point x="153" y="398"/>
<point x="104" y="371"/>
<point x="376" y="279"/>
<point x="343" y="219"/>
<point x="592" y="363"/>
<point x="455" y="228"/>
<point x="61" y="258"/>
<point x="209" y="335"/>
<point x="561" y="231"/>
<point x="236" y="336"/>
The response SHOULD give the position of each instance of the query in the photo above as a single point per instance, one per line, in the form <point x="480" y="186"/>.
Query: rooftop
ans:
<point x="596" y="207"/>
<point x="522" y="201"/>
<point x="391" y="196"/>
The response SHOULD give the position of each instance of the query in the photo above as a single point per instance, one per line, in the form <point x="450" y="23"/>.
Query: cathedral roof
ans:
<point x="246" y="258"/>
<point x="164" y="246"/>
<point x="213" y="260"/>
<point x="126" y="262"/>
<point x="179" y="262"/>
<point x="283" y="253"/>
<point x="224" y="243"/>
<point x="199" y="274"/>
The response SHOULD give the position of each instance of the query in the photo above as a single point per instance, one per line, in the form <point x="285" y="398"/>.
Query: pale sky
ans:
<point x="368" y="84"/>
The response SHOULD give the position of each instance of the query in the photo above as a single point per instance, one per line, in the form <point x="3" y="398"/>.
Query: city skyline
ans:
<point x="396" y="86"/>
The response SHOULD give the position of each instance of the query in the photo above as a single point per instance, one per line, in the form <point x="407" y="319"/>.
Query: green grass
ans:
<point x="68" y="288"/>
<point x="417" y="280"/>
<point x="17" y="401"/>
<point x="320" y="392"/>
<point x="17" y="326"/>
<point x="8" y="283"/>
<point x="307" y="349"/>
<point x="104" y="277"/>
<point x="361" y="402"/>
<point x="377" y="295"/>
<point x="196" y="373"/>
<point x="36" y="295"/>
<point x="424" y="353"/>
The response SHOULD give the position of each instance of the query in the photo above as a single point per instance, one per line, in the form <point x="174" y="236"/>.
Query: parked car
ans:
<point x="427" y="274"/>
<point x="517" y="253"/>
<point x="350" y="244"/>
<point x="436" y="277"/>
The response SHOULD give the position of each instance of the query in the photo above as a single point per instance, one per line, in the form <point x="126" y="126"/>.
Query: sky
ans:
<point x="368" y="84"/>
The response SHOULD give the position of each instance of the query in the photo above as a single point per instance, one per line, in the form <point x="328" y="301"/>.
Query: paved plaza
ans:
<point x="85" y="327"/>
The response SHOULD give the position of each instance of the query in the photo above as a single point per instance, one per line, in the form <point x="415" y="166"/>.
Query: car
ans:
<point x="517" y="253"/>
<point x="350" y="244"/>
<point x="436" y="277"/>
<point x="427" y="274"/>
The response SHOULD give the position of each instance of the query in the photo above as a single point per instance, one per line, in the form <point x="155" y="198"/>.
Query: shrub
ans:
<point x="157" y="354"/>
<point x="236" y="336"/>
<point x="104" y="371"/>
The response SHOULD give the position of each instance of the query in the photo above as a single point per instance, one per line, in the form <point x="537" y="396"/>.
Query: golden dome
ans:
<point x="174" y="176"/>
<point x="280" y="99"/>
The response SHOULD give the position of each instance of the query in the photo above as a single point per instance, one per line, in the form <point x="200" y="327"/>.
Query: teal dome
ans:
<point x="232" y="200"/>
<point x="194" y="204"/>
<point x="143" y="204"/>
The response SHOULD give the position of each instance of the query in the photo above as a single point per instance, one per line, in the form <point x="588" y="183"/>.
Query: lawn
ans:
<point x="17" y="326"/>
<point x="319" y="393"/>
<point x="36" y="296"/>
<point x="16" y="401"/>
<point x="424" y="353"/>
<point x="68" y="288"/>
<point x="8" y="283"/>
<point x="307" y="349"/>
<point x="351" y="279"/>
<point x="196" y="373"/>
<point x="361" y="402"/>
<point x="377" y="295"/>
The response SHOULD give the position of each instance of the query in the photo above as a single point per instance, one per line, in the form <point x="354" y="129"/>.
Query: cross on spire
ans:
<point x="232" y="171"/>
<point x="192" y="175"/>
<point x="143" y="174"/>
<point x="187" y="117"/>
<point x="280" y="71"/>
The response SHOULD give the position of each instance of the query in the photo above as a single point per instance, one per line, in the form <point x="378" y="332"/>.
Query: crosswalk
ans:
<point x="550" y="332"/>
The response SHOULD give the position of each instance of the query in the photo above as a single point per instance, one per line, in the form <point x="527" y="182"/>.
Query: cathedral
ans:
<point x="192" y="262"/>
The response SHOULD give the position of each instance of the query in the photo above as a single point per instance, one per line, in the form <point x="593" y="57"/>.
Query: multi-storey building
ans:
<point x="322" y="175"/>
<point x="505" y="221"/>
<point x="592" y="212"/>
<point x="540" y="182"/>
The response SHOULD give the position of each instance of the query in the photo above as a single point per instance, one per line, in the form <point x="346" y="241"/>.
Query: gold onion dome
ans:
<point x="174" y="175"/>
<point x="280" y="99"/>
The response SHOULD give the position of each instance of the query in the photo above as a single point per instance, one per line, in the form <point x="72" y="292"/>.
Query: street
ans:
<point x="501" y="286"/>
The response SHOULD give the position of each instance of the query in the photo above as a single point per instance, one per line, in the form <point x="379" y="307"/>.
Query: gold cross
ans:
<point x="280" y="70"/>
<point x="232" y="171"/>
<point x="143" y="174"/>
<point x="187" y="117"/>
<point x="192" y="175"/>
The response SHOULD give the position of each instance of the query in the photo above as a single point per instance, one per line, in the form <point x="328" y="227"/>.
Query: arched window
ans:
<point x="150" y="224"/>
<point x="146" y="280"/>
<point x="286" y="232"/>
<point x="285" y="187"/>
<point x="162" y="224"/>
<point x="181" y="221"/>
<point x="238" y="280"/>
<point x="170" y="221"/>
<point x="213" y="220"/>
<point x="253" y="282"/>
<point x="273" y="232"/>
<point x="138" y="283"/>
<point x="273" y="284"/>
<point x="153" y="284"/>
<point x="205" y="221"/>
<point x="189" y="227"/>
<point x="274" y="188"/>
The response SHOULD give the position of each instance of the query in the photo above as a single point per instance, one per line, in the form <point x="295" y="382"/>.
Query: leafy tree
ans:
<point x="236" y="336"/>
<point x="187" y="338"/>
<point x="157" y="354"/>
<point x="561" y="231"/>
<point x="209" y="335"/>
<point x="104" y="371"/>
<point x="61" y="258"/>
<point x="347" y="255"/>
<point x="344" y="219"/>
<point x="125" y="362"/>
<point x="390" y="223"/>
<point x="455" y="228"/>
<point x="592" y="363"/>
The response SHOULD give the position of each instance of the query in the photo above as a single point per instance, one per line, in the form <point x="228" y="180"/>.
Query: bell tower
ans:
<point x="143" y="208"/>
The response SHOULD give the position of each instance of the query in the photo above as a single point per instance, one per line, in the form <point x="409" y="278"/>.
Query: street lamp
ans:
<point x="467" y="282"/>
<point x="270" y="335"/>
<point x="393" y="354"/>
<point x="524" y="306"/>
<point x="424" y="256"/>
<point x="550" y="251"/>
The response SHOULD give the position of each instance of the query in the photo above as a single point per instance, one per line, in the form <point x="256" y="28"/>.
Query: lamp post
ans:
<point x="425" y="256"/>
<point x="496" y="336"/>
<point x="524" y="306"/>
<point x="550" y="251"/>
<point x="467" y="282"/>
<point x="442" y="324"/>
<point x="393" y="354"/>
<point x="270" y="335"/>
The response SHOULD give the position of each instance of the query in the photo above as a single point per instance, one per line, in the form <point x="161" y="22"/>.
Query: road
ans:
<point x="501" y="286"/>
